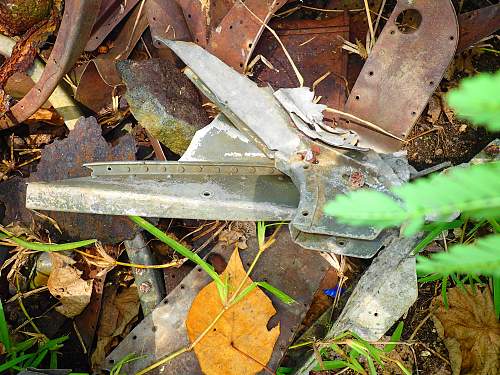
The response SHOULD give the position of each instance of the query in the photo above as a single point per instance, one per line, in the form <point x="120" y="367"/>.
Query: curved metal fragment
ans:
<point x="78" y="19"/>
<point x="60" y="99"/>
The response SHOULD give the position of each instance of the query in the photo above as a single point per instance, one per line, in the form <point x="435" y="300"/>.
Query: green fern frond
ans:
<point x="474" y="191"/>
<point x="478" y="100"/>
<point x="482" y="257"/>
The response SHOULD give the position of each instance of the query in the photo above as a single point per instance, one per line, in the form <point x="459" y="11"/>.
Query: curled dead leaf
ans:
<point x="239" y="343"/>
<point x="470" y="330"/>
<point x="120" y="308"/>
<point x="65" y="283"/>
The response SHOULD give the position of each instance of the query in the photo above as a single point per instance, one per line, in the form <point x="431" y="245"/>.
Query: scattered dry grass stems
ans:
<point x="294" y="67"/>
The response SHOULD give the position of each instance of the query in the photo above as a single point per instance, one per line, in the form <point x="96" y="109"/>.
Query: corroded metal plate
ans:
<point x="403" y="70"/>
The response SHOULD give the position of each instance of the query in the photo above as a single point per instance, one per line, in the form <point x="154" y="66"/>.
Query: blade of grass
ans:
<point x="282" y="296"/>
<point x="444" y="294"/>
<point x="396" y="336"/>
<point x="10" y="364"/>
<point x="4" y="329"/>
<point x="38" y="246"/>
<point x="184" y="251"/>
<point x="496" y="295"/>
<point x="53" y="360"/>
<point x="332" y="365"/>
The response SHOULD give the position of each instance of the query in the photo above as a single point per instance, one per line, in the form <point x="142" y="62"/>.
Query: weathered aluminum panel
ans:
<point x="285" y="265"/>
<point x="259" y="116"/>
<point x="402" y="71"/>
<point x="184" y="191"/>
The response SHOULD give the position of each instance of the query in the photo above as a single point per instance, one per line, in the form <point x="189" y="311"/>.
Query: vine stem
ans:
<point x="226" y="306"/>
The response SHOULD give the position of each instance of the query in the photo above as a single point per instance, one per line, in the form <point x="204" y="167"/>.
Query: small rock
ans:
<point x="462" y="128"/>
<point x="438" y="152"/>
<point x="425" y="353"/>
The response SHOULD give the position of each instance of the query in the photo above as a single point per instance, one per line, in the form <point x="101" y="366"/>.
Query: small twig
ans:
<point x="79" y="336"/>
<point x="319" y="80"/>
<point x="415" y="358"/>
<point x="379" y="16"/>
<point x="362" y="122"/>
<point x="420" y="325"/>
<point x="370" y="24"/>
<point x="434" y="352"/>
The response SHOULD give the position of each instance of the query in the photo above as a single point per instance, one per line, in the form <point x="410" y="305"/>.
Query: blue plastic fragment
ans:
<point x="333" y="291"/>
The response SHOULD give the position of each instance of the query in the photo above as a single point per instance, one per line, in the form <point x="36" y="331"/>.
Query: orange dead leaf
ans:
<point x="470" y="330"/>
<point x="239" y="343"/>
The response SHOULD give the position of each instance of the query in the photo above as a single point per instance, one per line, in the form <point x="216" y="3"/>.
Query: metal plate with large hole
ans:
<point x="403" y="70"/>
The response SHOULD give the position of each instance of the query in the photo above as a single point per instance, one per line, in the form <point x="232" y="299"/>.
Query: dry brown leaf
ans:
<point x="119" y="309"/>
<point x="435" y="109"/>
<point x="240" y="342"/>
<point x="470" y="330"/>
<point x="65" y="283"/>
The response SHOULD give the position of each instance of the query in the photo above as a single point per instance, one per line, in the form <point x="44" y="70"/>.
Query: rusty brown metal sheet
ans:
<point x="166" y="20"/>
<point x="402" y="71"/>
<point x="203" y="16"/>
<point x="100" y="79"/>
<point x="285" y="265"/>
<point x="477" y="25"/>
<point x="235" y="38"/>
<point x="77" y="22"/>
<point x="110" y="14"/>
<point x="316" y="48"/>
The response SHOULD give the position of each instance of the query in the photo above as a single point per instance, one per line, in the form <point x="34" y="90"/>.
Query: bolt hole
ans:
<point x="154" y="18"/>
<point x="414" y="113"/>
<point x="431" y="83"/>
<point x="370" y="73"/>
<point x="189" y="16"/>
<point x="165" y="302"/>
<point x="408" y="21"/>
<point x="376" y="314"/>
<point x="452" y="37"/>
<point x="111" y="361"/>
<point x="357" y="97"/>
<point x="231" y="27"/>
<point x="250" y="45"/>
<point x="341" y="243"/>
<point x="241" y="65"/>
<point x="182" y="286"/>
<point x="207" y="194"/>
<point x="305" y="213"/>
<point x="109" y="168"/>
<point x="134" y="337"/>
<point x="393" y="32"/>
<point x="306" y="166"/>
<point x="198" y="269"/>
<point x="154" y="329"/>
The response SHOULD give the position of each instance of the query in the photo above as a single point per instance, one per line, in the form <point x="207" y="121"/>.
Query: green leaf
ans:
<point x="444" y="291"/>
<point x="332" y="365"/>
<point x="483" y="257"/>
<point x="371" y="366"/>
<point x="4" y="329"/>
<point x="435" y="231"/>
<point x="284" y="370"/>
<point x="181" y="249"/>
<point x="366" y="207"/>
<point x="404" y="369"/>
<point x="396" y="336"/>
<point x="477" y="100"/>
<point x="475" y="191"/>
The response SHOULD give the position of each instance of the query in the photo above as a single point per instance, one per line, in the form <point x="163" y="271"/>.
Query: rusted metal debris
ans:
<point x="166" y="20"/>
<point x="99" y="80"/>
<point x="402" y="72"/>
<point x="77" y="22"/>
<point x="64" y="159"/>
<point x="477" y="25"/>
<point x="315" y="46"/>
<point x="111" y="12"/>
<point x="236" y="37"/>
<point x="285" y="265"/>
